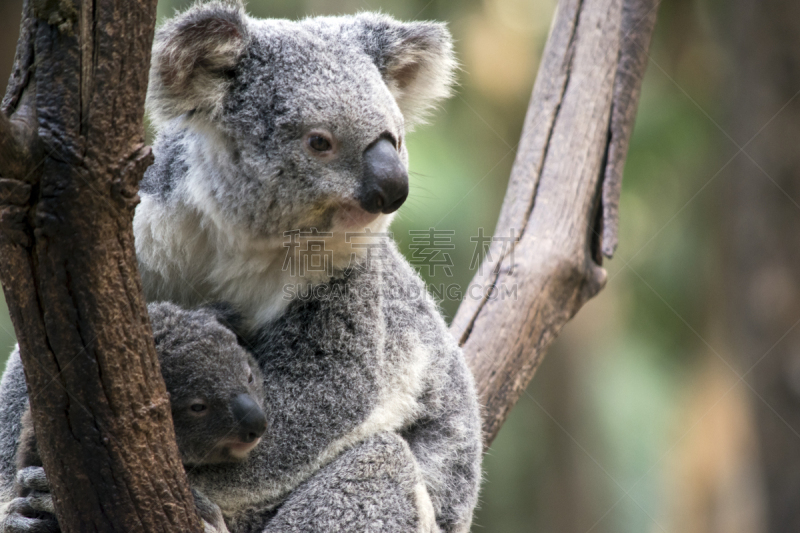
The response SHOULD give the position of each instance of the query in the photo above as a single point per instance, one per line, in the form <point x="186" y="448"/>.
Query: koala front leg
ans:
<point x="373" y="487"/>
<point x="210" y="513"/>
<point x="13" y="402"/>
<point x="33" y="513"/>
<point x="446" y="442"/>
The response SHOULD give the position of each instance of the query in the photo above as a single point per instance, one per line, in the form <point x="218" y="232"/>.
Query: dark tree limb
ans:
<point x="71" y="155"/>
<point x="565" y="184"/>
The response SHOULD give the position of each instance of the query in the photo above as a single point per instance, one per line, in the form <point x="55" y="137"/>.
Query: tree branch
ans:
<point x="638" y="22"/>
<point x="9" y="144"/>
<point x="69" y="271"/>
<point x="578" y="125"/>
<point x="19" y="141"/>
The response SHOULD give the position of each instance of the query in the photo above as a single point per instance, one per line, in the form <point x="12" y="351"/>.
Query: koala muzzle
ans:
<point x="251" y="418"/>
<point x="385" y="180"/>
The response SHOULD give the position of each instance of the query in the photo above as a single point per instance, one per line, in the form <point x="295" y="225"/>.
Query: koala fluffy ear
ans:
<point x="415" y="58"/>
<point x="193" y="55"/>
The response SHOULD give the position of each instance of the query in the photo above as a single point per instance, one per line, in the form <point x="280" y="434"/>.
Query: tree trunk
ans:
<point x="762" y="223"/>
<point x="560" y="212"/>
<point x="71" y="156"/>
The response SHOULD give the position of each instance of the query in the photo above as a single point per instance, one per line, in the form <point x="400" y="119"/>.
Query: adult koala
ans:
<point x="277" y="141"/>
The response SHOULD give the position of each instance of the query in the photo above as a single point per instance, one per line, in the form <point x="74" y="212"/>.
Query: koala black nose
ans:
<point x="385" y="181"/>
<point x="251" y="418"/>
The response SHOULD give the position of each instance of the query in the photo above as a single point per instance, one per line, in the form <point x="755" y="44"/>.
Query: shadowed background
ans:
<point x="637" y="420"/>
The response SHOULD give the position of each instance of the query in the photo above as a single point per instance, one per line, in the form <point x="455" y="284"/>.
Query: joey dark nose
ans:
<point x="384" y="187"/>
<point x="250" y="417"/>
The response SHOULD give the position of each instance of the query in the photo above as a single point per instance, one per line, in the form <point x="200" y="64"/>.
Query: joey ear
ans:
<point x="415" y="59"/>
<point x="193" y="55"/>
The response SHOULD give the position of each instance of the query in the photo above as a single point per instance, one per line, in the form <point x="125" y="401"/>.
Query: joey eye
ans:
<point x="198" y="407"/>
<point x="319" y="143"/>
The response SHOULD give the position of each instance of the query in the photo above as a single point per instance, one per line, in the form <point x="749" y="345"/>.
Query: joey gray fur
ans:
<point x="372" y="413"/>
<point x="209" y="378"/>
<point x="205" y="371"/>
<point x="204" y="366"/>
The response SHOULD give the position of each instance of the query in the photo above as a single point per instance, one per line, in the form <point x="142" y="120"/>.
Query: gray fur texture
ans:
<point x="372" y="487"/>
<point x="13" y="403"/>
<point x="372" y="413"/>
<point x="371" y="355"/>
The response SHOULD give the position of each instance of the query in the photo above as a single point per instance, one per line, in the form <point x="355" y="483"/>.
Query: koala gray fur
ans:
<point x="340" y="370"/>
<point x="232" y="173"/>
<point x="373" y="418"/>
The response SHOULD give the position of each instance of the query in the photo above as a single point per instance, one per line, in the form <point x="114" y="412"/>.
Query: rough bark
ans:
<point x="71" y="155"/>
<point x="562" y="198"/>
<point x="761" y="224"/>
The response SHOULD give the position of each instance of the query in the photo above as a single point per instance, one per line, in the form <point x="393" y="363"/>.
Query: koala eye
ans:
<point x="319" y="143"/>
<point x="198" y="407"/>
<point x="250" y="378"/>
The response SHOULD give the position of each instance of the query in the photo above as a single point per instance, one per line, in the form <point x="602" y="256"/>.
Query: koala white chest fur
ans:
<point x="270" y="128"/>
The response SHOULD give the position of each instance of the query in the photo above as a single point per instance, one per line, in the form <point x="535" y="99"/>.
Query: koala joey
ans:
<point x="274" y="135"/>
<point x="215" y="386"/>
<point x="215" y="390"/>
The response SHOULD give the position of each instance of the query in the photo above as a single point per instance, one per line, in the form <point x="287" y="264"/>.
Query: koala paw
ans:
<point x="23" y="515"/>
<point x="213" y="522"/>
<point x="33" y="479"/>
<point x="33" y="513"/>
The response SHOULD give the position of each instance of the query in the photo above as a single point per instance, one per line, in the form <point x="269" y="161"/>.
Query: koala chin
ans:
<point x="268" y="127"/>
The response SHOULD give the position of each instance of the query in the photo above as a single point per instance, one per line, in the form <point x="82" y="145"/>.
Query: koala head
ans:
<point x="296" y="125"/>
<point x="215" y="386"/>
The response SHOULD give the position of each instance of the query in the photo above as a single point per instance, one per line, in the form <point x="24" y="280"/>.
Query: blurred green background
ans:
<point x="633" y="423"/>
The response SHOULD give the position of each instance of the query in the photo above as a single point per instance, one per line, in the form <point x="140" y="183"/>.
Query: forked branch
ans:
<point x="562" y="197"/>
